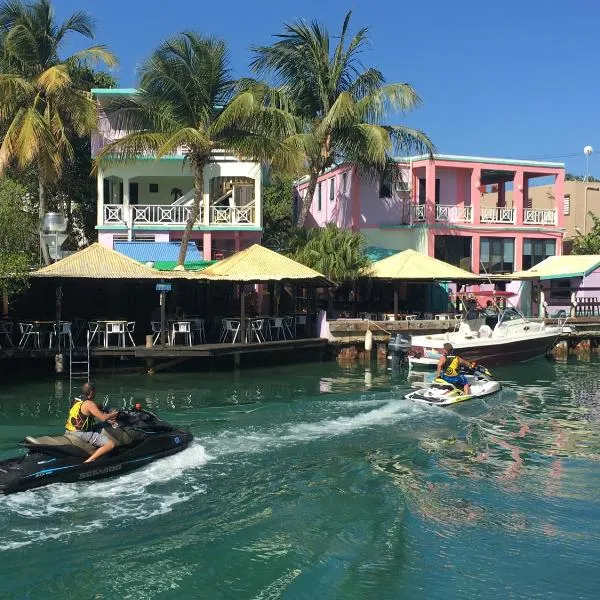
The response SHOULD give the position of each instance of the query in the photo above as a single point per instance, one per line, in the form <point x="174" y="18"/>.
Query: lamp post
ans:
<point x="587" y="151"/>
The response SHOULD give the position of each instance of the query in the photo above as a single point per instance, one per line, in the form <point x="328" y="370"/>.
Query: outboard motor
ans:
<point x="398" y="348"/>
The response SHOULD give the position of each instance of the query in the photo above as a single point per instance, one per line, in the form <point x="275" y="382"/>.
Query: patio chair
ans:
<point x="6" y="329"/>
<point x="256" y="329"/>
<point x="117" y="329"/>
<point x="300" y="321"/>
<point x="65" y="330"/>
<point x="231" y="328"/>
<point x="28" y="331"/>
<point x="155" y="325"/>
<point x="276" y="324"/>
<point x="130" y="328"/>
<point x="93" y="331"/>
<point x="198" y="330"/>
<point x="288" y="324"/>
<point x="181" y="328"/>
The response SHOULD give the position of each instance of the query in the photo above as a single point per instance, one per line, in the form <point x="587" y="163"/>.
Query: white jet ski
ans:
<point x="442" y="393"/>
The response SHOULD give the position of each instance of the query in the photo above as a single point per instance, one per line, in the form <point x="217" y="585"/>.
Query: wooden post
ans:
<point x="58" y="315"/>
<point x="271" y="299"/>
<point x="163" y="301"/>
<point x="395" y="301"/>
<point x="242" y="314"/>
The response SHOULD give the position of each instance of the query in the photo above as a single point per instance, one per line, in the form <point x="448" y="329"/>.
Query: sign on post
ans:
<point x="163" y="287"/>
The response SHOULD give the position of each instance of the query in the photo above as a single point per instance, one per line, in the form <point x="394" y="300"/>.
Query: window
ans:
<point x="153" y="188"/>
<point x="422" y="192"/>
<point x="497" y="255"/>
<point x="332" y="189"/>
<point x="319" y="196"/>
<point x="560" y="289"/>
<point x="567" y="205"/>
<point x="385" y="184"/>
<point x="536" y="250"/>
<point x="344" y="182"/>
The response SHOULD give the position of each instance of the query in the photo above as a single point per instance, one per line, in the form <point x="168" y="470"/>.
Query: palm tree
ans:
<point x="187" y="100"/>
<point x="339" y="104"/>
<point x="43" y="105"/>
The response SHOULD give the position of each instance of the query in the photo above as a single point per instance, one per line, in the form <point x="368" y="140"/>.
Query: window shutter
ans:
<point x="567" y="205"/>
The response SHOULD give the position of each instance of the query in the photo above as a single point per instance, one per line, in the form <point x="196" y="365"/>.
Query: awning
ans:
<point x="562" y="267"/>
<point x="153" y="252"/>
<point x="410" y="265"/>
<point x="258" y="264"/>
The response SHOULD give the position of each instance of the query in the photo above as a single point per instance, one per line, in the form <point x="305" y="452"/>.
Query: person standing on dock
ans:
<point x="80" y="421"/>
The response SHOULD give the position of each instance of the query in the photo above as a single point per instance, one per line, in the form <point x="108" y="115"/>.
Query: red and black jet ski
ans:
<point x="141" y="438"/>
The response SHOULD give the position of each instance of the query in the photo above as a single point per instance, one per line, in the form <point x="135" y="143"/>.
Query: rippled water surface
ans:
<point x="321" y="482"/>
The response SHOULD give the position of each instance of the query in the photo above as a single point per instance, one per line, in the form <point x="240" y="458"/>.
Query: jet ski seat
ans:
<point x="65" y="440"/>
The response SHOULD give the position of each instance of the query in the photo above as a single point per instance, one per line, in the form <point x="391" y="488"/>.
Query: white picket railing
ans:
<point x="539" y="216"/>
<point x="113" y="214"/>
<point x="453" y="214"/>
<point x="418" y="213"/>
<point x="497" y="214"/>
<point x="232" y="215"/>
<point x="152" y="214"/>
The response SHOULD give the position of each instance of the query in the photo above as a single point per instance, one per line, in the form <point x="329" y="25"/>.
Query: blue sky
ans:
<point x="505" y="78"/>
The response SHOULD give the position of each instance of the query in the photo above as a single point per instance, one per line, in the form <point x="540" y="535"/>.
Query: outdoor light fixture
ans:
<point x="54" y="226"/>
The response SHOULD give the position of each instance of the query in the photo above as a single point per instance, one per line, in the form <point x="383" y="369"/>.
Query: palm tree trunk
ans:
<point x="198" y="171"/>
<point x="42" y="212"/>
<point x="308" y="198"/>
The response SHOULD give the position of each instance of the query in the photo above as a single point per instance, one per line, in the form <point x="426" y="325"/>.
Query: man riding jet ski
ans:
<point x="471" y="381"/>
<point x="136" y="438"/>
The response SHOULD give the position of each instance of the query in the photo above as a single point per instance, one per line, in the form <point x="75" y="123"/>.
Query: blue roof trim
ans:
<point x="113" y="91"/>
<point x="156" y="251"/>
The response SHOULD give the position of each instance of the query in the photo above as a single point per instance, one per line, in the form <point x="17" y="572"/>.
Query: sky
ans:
<point x="503" y="78"/>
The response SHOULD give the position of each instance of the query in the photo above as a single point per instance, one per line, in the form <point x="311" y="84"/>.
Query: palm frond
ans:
<point x="53" y="79"/>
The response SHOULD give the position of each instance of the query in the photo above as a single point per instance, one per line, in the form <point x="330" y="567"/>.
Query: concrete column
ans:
<point x="205" y="203"/>
<point x="476" y="199"/>
<point x="475" y="253"/>
<point x="100" y="194"/>
<point x="355" y="193"/>
<point x="460" y="187"/>
<point x="501" y="194"/>
<point x="518" y="203"/>
<point x="258" y="212"/>
<point x="127" y="216"/>
<point x="518" y="264"/>
<point x="207" y="245"/>
<point x="559" y="199"/>
<point x="430" y="192"/>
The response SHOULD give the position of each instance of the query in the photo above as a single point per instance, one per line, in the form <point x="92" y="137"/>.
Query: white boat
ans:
<point x="513" y="338"/>
<point x="442" y="393"/>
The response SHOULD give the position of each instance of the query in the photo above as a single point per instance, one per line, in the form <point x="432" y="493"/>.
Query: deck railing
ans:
<point x="497" y="214"/>
<point x="451" y="213"/>
<point x="539" y="216"/>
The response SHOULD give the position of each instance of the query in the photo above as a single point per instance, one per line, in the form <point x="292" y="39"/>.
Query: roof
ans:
<point x="410" y="265"/>
<point x="259" y="264"/>
<point x="98" y="262"/>
<point x="374" y="253"/>
<point x="192" y="265"/>
<point x="157" y="251"/>
<point x="562" y="267"/>
<point x="113" y="91"/>
<point x="483" y="159"/>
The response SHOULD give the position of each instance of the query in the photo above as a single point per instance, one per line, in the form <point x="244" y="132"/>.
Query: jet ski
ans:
<point x="442" y="393"/>
<point x="140" y="436"/>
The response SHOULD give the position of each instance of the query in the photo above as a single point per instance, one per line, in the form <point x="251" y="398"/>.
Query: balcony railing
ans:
<point x="450" y="213"/>
<point x="497" y="214"/>
<point x="418" y="213"/>
<point x="153" y="214"/>
<point x="539" y="216"/>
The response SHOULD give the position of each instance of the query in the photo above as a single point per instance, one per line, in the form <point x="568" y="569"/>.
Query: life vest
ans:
<point x="451" y="365"/>
<point x="77" y="421"/>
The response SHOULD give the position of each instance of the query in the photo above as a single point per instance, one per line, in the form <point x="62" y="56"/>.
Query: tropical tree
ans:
<point x="590" y="242"/>
<point x="339" y="105"/>
<point x="187" y="100"/>
<point x="44" y="104"/>
<point x="337" y="253"/>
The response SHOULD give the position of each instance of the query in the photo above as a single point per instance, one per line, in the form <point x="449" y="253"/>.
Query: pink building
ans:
<point x="436" y="207"/>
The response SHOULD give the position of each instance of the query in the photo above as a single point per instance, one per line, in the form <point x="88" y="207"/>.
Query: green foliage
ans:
<point x="278" y="207"/>
<point x="572" y="177"/>
<point x="337" y="253"/>
<point x="339" y="106"/>
<point x="18" y="237"/>
<point x="589" y="243"/>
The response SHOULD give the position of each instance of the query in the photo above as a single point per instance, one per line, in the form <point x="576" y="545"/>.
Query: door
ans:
<point x="133" y="192"/>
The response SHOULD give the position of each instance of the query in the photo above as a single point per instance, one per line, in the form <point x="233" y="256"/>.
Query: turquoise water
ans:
<point x="316" y="481"/>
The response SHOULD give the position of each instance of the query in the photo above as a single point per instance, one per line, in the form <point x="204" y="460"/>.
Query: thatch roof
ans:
<point x="258" y="264"/>
<point x="98" y="262"/>
<point x="409" y="265"/>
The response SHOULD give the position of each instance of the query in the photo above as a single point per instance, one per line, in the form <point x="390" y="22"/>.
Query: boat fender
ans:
<point x="368" y="340"/>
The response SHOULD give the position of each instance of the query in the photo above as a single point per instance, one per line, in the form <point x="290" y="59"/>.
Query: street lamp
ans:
<point x="587" y="151"/>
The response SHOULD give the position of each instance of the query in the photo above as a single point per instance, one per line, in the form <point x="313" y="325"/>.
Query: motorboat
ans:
<point x="499" y="339"/>
<point x="442" y="393"/>
<point x="141" y="438"/>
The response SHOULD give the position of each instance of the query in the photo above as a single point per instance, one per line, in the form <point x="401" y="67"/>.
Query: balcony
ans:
<point x="173" y="215"/>
<point x="497" y="214"/>
<point x="540" y="216"/>
<point x="450" y="213"/>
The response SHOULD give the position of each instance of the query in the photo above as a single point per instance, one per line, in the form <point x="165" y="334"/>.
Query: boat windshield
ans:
<point x="510" y="314"/>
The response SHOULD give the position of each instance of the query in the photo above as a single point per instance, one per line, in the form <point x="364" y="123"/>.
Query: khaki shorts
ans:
<point x="96" y="438"/>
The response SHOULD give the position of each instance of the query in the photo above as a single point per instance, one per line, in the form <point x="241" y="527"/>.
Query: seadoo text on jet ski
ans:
<point x="442" y="393"/>
<point x="141" y="437"/>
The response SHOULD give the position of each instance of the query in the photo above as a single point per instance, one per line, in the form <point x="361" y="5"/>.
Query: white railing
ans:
<point x="232" y="215"/>
<point x="113" y="214"/>
<point x="153" y="214"/>
<point x="539" y="216"/>
<point x="497" y="214"/>
<point x="452" y="213"/>
<point x="418" y="213"/>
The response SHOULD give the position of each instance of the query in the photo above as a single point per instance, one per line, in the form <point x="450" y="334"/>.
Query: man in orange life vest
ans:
<point x="449" y="366"/>
<point x="81" y="421"/>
